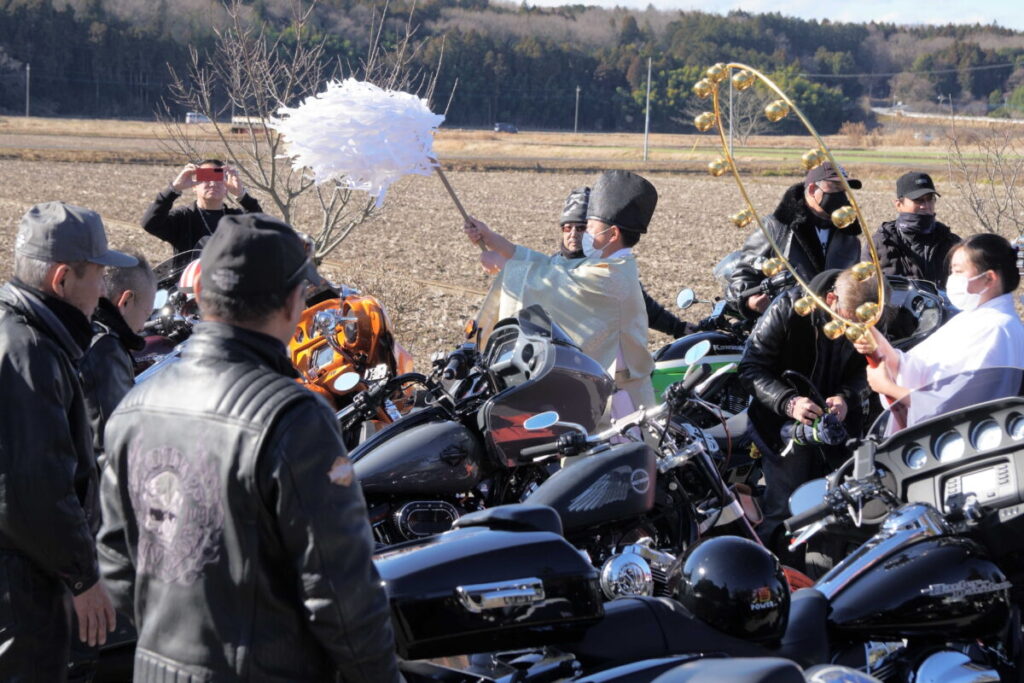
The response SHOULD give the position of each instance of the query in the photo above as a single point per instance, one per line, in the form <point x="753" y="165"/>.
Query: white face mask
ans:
<point x="956" y="290"/>
<point x="589" y="250"/>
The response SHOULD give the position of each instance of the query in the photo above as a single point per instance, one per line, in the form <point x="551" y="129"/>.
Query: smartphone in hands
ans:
<point x="204" y="175"/>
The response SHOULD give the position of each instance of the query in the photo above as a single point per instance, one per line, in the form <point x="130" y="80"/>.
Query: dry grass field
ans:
<point x="412" y="254"/>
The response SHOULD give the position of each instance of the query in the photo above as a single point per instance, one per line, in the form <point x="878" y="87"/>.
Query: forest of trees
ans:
<point x="507" y="62"/>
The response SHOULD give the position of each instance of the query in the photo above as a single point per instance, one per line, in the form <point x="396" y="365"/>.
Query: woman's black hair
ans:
<point x="988" y="251"/>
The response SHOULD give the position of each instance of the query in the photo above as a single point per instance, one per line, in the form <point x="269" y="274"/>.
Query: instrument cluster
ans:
<point x="969" y="452"/>
<point x="951" y="445"/>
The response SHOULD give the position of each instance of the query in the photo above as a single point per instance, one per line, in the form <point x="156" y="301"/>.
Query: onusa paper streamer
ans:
<point x="361" y="136"/>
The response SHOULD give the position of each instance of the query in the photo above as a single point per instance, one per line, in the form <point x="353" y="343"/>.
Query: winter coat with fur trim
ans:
<point x="793" y="226"/>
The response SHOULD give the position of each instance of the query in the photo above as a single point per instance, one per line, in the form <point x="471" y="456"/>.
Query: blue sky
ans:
<point x="1008" y="13"/>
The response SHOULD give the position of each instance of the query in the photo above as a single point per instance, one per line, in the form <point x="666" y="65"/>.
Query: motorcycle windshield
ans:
<point x="946" y="395"/>
<point x="168" y="272"/>
<point x="535" y="322"/>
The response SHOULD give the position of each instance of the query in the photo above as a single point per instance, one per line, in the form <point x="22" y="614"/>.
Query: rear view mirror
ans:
<point x="541" y="421"/>
<point x="807" y="496"/>
<point x="347" y="381"/>
<point x="696" y="352"/>
<point x="161" y="299"/>
<point x="685" y="299"/>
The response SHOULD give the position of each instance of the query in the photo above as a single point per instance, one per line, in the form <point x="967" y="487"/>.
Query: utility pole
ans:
<point x="28" y="80"/>
<point x="576" y="120"/>
<point x="647" y="107"/>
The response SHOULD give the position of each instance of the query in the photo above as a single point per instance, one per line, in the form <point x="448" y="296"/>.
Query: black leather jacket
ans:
<point x="184" y="226"/>
<point x="913" y="255"/>
<point x="782" y="340"/>
<point x="48" y="476"/>
<point x="107" y="369"/>
<point x="232" y="516"/>
<point x="793" y="227"/>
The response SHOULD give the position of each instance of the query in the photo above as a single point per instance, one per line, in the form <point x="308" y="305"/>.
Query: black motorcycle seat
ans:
<point x="634" y="629"/>
<point x="751" y="670"/>
<point x="806" y="638"/>
<point x="516" y="517"/>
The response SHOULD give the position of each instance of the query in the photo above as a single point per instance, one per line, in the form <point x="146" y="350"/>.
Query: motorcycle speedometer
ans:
<point x="915" y="457"/>
<point x="986" y="434"/>
<point x="950" y="446"/>
<point x="1016" y="427"/>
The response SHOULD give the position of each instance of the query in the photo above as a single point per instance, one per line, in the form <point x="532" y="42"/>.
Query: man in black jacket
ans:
<point x="915" y="245"/>
<point x="802" y="227"/>
<point x="48" y="476"/>
<point x="108" y="370"/>
<point x="783" y="340"/>
<point x="183" y="227"/>
<point x="231" y="513"/>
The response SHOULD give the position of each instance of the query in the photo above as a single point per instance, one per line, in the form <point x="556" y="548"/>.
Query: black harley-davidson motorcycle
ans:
<point x="463" y="450"/>
<point x="939" y="583"/>
<point x="506" y="598"/>
<point x="642" y="491"/>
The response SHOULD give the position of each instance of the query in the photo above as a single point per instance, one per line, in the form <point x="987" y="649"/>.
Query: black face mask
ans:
<point x="832" y="201"/>
<point x="919" y="223"/>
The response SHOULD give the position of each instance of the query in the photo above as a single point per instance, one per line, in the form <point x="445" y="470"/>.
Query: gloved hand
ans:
<point x="827" y="430"/>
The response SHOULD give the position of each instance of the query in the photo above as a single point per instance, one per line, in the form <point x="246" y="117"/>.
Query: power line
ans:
<point x="929" y="71"/>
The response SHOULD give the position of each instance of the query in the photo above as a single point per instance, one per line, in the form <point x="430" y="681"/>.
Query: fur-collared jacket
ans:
<point x="794" y="227"/>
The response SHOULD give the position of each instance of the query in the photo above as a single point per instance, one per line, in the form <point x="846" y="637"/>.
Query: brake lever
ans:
<point x="810" y="531"/>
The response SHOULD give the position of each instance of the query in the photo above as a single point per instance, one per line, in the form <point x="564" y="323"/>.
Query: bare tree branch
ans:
<point x="248" y="77"/>
<point x="986" y="166"/>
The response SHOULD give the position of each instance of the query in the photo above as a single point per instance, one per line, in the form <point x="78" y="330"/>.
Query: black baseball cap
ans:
<point x="65" y="233"/>
<point x="253" y="253"/>
<point x="827" y="171"/>
<point x="915" y="185"/>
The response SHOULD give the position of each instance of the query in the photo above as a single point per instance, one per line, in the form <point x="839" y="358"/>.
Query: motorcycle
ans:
<point x="463" y="450"/>
<point x="504" y="597"/>
<point x="634" y="507"/>
<point x="175" y="310"/>
<point x="938" y="585"/>
<point x="343" y="333"/>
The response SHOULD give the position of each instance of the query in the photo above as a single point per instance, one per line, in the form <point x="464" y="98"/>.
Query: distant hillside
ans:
<point x="505" y="62"/>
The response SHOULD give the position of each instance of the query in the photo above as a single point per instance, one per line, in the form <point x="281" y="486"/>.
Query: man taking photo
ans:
<point x="183" y="227"/>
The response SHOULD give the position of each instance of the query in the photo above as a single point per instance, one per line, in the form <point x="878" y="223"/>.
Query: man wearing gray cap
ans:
<point x="231" y="515"/>
<point x="48" y="473"/>
<point x="597" y="299"/>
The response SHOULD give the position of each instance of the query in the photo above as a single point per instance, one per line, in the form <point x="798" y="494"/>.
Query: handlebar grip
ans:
<point x="543" y="449"/>
<point x="819" y="511"/>
<point x="454" y="366"/>
<point x="699" y="374"/>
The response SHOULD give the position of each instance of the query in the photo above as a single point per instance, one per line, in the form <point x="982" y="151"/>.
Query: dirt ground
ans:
<point x="412" y="254"/>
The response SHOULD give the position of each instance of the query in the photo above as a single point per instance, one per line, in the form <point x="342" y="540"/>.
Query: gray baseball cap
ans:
<point x="65" y="233"/>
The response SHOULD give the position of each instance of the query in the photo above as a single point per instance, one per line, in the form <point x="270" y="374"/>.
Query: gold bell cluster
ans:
<point x="843" y="217"/>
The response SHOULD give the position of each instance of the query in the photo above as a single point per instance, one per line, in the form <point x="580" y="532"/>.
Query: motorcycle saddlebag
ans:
<point x="480" y="590"/>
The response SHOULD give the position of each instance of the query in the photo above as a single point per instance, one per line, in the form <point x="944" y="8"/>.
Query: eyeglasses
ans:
<point x="578" y="227"/>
